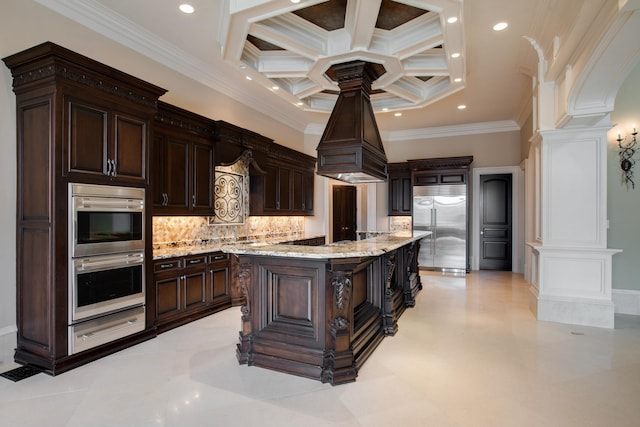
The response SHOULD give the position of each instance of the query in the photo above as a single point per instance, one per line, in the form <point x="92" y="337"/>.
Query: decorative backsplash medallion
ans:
<point x="231" y="191"/>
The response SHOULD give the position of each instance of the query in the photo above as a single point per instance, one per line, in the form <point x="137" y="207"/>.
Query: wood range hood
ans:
<point x="350" y="148"/>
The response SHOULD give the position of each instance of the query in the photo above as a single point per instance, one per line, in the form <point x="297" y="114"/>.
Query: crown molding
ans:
<point x="435" y="132"/>
<point x="98" y="18"/>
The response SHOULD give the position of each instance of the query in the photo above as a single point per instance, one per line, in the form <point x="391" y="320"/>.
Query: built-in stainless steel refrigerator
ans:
<point x="442" y="210"/>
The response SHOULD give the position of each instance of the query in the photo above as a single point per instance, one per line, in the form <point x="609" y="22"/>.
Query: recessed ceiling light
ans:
<point x="186" y="8"/>
<point x="452" y="19"/>
<point x="500" y="26"/>
<point x="462" y="107"/>
<point x="397" y="114"/>
<point x="295" y="1"/>
<point x="455" y="55"/>
<point x="385" y="109"/>
<point x="457" y="79"/>
<point x="299" y="104"/>
<point x="275" y="87"/>
<point x="249" y="78"/>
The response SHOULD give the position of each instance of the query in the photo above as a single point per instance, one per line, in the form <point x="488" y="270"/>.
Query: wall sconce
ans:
<point x="626" y="152"/>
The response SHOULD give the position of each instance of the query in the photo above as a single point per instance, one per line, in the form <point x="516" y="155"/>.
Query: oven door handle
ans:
<point x="91" y="264"/>
<point x="89" y="203"/>
<point x="109" y="328"/>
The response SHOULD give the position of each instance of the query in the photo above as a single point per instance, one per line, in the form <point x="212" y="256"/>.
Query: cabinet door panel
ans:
<point x="284" y="189"/>
<point x="297" y="191"/>
<point x="309" y="188"/>
<point x="168" y="296"/>
<point x="400" y="197"/>
<point x="130" y="147"/>
<point x="270" y="197"/>
<point x="87" y="143"/>
<point x="202" y="174"/>
<point x="156" y="169"/>
<point x="177" y="183"/>
<point x="195" y="287"/>
<point x="219" y="281"/>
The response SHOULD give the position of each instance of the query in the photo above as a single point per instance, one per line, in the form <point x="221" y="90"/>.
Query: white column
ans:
<point x="571" y="265"/>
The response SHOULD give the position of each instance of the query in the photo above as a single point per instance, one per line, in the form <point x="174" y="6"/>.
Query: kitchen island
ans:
<point x="320" y="311"/>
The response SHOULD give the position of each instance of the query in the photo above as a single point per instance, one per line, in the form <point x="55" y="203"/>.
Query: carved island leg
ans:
<point x="243" y="350"/>
<point x="389" y="321"/>
<point x="339" y="364"/>
<point x="413" y="283"/>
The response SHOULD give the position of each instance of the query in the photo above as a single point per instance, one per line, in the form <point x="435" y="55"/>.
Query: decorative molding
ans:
<point x="342" y="286"/>
<point x="462" y="162"/>
<point x="244" y="277"/>
<point x="434" y="132"/>
<point x="114" y="26"/>
<point x="82" y="77"/>
<point x="339" y="323"/>
<point x="626" y="301"/>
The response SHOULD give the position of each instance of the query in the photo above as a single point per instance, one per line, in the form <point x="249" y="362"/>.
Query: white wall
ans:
<point x="623" y="204"/>
<point x="488" y="149"/>
<point x="7" y="218"/>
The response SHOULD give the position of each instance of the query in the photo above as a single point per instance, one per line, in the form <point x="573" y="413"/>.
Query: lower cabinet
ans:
<point x="191" y="287"/>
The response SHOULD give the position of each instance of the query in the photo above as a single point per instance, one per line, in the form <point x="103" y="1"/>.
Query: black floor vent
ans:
<point x="21" y="373"/>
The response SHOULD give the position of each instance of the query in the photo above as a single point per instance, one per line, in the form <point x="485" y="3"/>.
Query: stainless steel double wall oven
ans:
<point x="106" y="264"/>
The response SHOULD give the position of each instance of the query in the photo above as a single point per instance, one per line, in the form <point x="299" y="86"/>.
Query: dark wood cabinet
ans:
<point x="400" y="190"/>
<point x="282" y="190"/>
<point x="102" y="142"/>
<point x="188" y="288"/>
<point x="182" y="163"/>
<point x="282" y="180"/>
<point x="322" y="318"/>
<point x="77" y="121"/>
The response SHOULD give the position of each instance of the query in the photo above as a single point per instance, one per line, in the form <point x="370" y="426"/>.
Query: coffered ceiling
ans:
<point x="286" y="48"/>
<point x="419" y="53"/>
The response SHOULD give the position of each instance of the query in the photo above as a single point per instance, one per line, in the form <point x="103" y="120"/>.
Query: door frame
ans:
<point x="517" y="205"/>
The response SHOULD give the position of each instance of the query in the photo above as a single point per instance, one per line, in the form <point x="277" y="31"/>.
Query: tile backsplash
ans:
<point x="400" y="223"/>
<point x="194" y="229"/>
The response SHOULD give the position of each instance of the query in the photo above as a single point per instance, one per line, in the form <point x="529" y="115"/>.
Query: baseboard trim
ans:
<point x="626" y="301"/>
<point x="8" y="330"/>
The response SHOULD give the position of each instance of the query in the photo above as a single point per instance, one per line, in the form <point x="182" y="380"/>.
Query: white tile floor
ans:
<point x="469" y="354"/>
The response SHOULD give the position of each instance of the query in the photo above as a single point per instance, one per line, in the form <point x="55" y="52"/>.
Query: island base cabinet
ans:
<point x="319" y="319"/>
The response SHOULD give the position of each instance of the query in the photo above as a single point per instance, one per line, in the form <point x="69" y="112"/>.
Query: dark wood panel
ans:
<point x="130" y="147"/>
<point x="168" y="298"/>
<point x="219" y="281"/>
<point x="177" y="173"/>
<point x="36" y="298"/>
<point x="35" y="162"/>
<point x="195" y="288"/>
<point x="202" y="176"/>
<point x="87" y="138"/>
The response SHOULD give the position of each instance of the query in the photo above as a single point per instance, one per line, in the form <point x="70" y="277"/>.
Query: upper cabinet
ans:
<point x="286" y="186"/>
<point x="100" y="117"/>
<point x="104" y="141"/>
<point x="400" y="190"/>
<point x="281" y="180"/>
<point x="182" y="163"/>
<point x="440" y="171"/>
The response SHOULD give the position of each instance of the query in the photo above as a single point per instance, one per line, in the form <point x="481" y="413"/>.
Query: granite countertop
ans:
<point x="374" y="246"/>
<point x="201" y="247"/>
